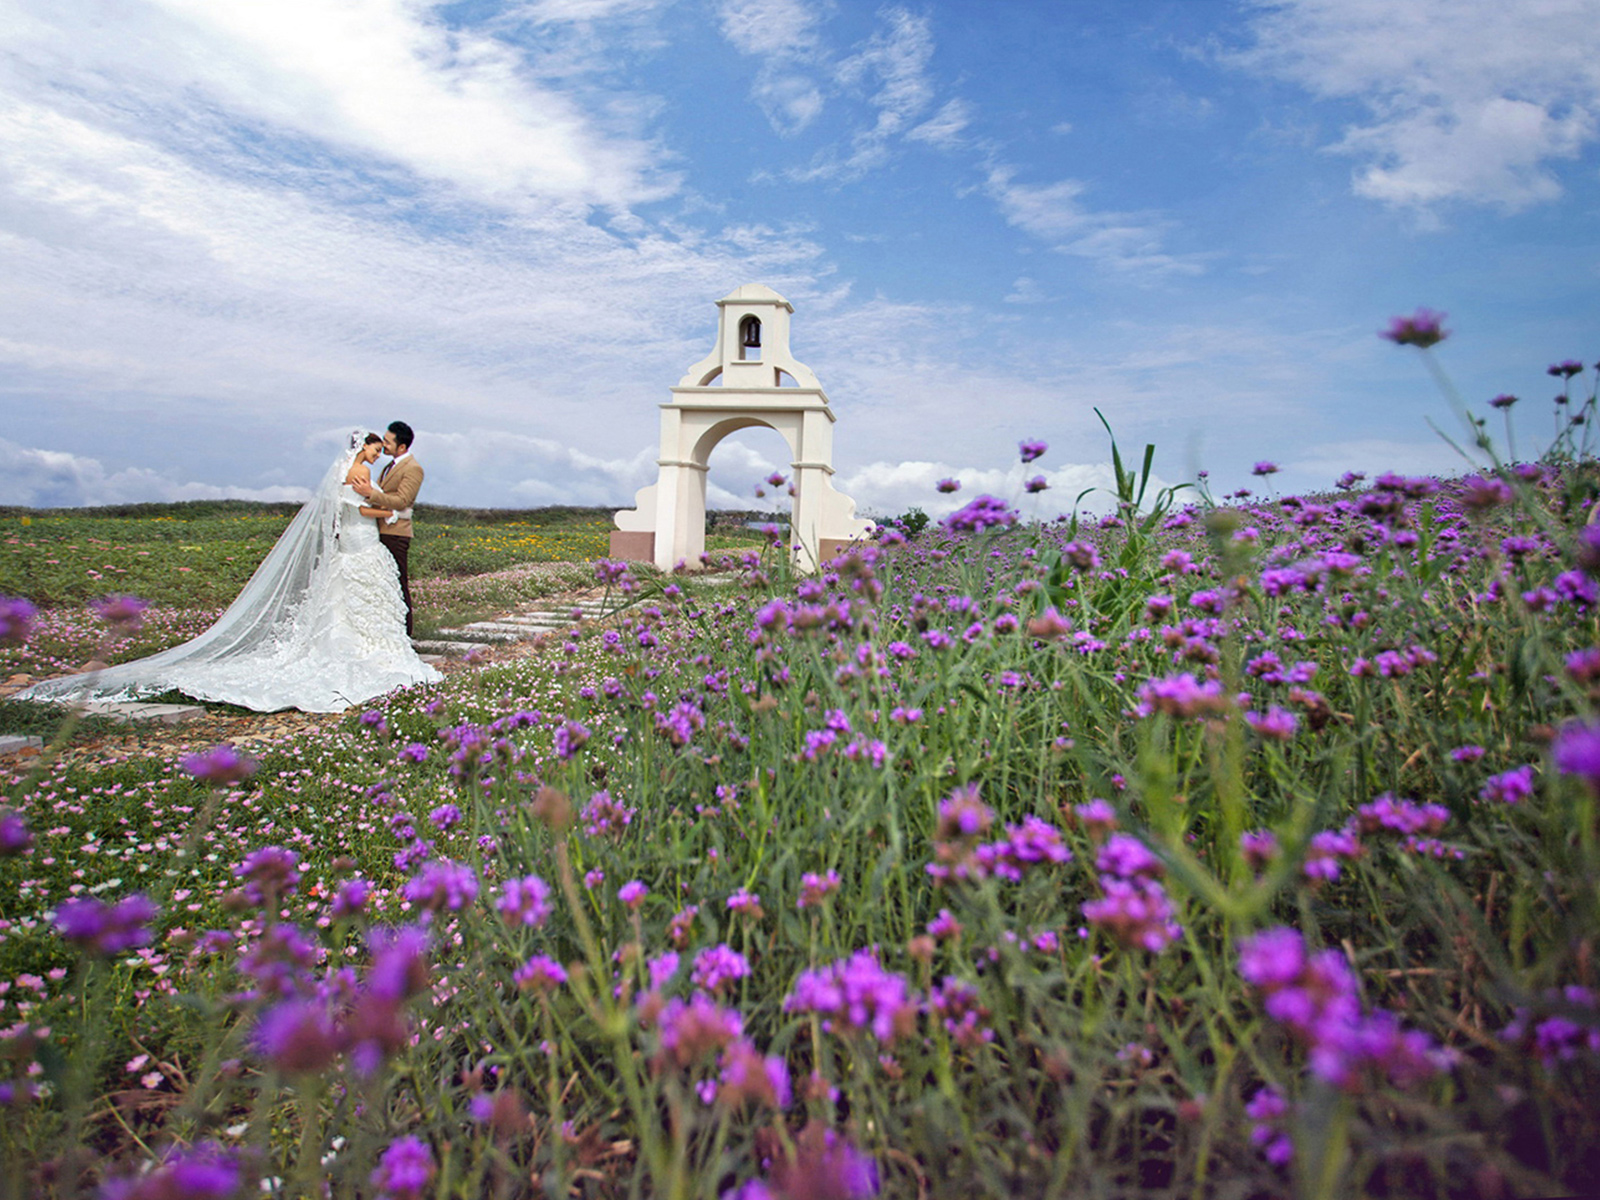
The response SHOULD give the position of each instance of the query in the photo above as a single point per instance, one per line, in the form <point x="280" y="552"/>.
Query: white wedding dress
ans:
<point x="321" y="625"/>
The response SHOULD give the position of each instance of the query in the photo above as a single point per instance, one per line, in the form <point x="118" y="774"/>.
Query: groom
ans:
<point x="396" y="490"/>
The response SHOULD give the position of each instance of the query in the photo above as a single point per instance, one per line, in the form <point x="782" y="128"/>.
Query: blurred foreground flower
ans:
<point x="220" y="765"/>
<point x="107" y="929"/>
<point x="203" y="1172"/>
<point x="123" y="614"/>
<point x="16" y="620"/>
<point x="405" y="1170"/>
<point x="1422" y="329"/>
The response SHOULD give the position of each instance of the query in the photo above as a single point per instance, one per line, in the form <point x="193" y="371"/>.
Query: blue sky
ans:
<point x="230" y="231"/>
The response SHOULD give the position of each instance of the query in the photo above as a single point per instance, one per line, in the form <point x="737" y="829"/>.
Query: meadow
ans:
<point x="1236" y="847"/>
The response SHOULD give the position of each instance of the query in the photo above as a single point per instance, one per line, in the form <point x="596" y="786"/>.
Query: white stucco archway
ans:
<point x="749" y="378"/>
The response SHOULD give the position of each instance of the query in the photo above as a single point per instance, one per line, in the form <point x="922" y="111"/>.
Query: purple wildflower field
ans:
<point x="1230" y="849"/>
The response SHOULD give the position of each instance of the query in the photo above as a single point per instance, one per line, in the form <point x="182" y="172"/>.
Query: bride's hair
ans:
<point x="370" y="438"/>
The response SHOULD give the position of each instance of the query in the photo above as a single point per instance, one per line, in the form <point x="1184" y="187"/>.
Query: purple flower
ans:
<point x="221" y="765"/>
<point x="749" y="1078"/>
<point x="1577" y="752"/>
<point x="1037" y="484"/>
<point x="445" y="817"/>
<point x="1264" y="468"/>
<point x="1182" y="696"/>
<point x="1503" y="400"/>
<point x="16" y="620"/>
<point x="1266" y="1110"/>
<point x="399" y="967"/>
<point x="825" y="1167"/>
<point x="1126" y="857"/>
<point x="1565" y="370"/>
<point x="688" y="1031"/>
<point x="717" y="966"/>
<point x="202" y="1172"/>
<point x="603" y="816"/>
<point x="405" y="1170"/>
<point x="298" y="1036"/>
<point x="269" y="874"/>
<point x="1479" y="494"/>
<point x="857" y="994"/>
<point x="815" y="889"/>
<point x="632" y="893"/>
<point x="1031" y="450"/>
<point x="1278" y="725"/>
<point x="1259" y="847"/>
<point x="123" y="614"/>
<point x="525" y="901"/>
<point x="1134" y="911"/>
<point x="1509" y="787"/>
<point x="955" y="1002"/>
<point x="15" y="836"/>
<point x="351" y="898"/>
<point x="441" y="885"/>
<point x="746" y="903"/>
<point x="1097" y="817"/>
<point x="570" y="737"/>
<point x="1422" y="329"/>
<point x="107" y="929"/>
<point x="986" y="512"/>
<point x="1314" y="997"/>
<point x="540" y="974"/>
<point x="1082" y="555"/>
<point x="948" y="486"/>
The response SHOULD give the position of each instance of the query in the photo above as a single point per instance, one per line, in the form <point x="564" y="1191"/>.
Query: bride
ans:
<point x="320" y="626"/>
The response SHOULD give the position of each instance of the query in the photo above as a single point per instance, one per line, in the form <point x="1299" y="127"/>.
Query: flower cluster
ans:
<point x="856" y="994"/>
<point x="1315" y="997"/>
<point x="1133" y="906"/>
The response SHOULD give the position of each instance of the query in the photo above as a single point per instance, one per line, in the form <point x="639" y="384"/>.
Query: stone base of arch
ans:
<point x="629" y="546"/>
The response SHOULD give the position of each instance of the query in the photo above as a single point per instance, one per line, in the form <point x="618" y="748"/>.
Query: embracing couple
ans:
<point x="390" y="499"/>
<point x="324" y="623"/>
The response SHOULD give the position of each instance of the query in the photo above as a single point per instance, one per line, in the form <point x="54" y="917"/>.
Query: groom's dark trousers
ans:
<point x="400" y="547"/>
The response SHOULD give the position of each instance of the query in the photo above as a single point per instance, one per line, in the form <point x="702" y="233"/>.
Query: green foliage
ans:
<point x="757" y="743"/>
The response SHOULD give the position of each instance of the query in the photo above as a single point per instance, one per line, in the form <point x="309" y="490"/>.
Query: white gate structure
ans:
<point x="749" y="378"/>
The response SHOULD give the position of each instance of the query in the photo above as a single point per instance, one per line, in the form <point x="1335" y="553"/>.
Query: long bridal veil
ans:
<point x="252" y="627"/>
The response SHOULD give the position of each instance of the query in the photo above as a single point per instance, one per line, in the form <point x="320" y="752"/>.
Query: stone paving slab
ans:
<point x="10" y="743"/>
<point x="135" y="710"/>
<point x="445" y="648"/>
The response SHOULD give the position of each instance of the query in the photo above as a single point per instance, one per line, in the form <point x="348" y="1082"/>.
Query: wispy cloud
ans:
<point x="783" y="34"/>
<point x="891" y="72"/>
<point x="1469" y="101"/>
<point x="1056" y="214"/>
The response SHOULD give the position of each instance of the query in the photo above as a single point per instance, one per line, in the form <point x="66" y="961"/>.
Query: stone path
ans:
<point x="551" y="615"/>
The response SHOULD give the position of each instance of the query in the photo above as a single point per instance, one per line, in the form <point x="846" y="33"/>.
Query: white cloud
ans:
<point x="55" y="479"/>
<point x="386" y="80"/>
<point x="1055" y="214"/>
<point x="944" y="129"/>
<point x="1469" y="101"/>
<point x="783" y="34"/>
<point x="891" y="72"/>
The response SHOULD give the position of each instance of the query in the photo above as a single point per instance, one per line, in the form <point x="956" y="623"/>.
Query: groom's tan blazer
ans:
<point x="398" y="487"/>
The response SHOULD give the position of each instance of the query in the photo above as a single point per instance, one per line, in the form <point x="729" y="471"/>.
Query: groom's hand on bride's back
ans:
<point x="364" y="488"/>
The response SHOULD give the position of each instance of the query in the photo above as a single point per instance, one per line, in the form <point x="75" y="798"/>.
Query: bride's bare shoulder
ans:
<point x="361" y="472"/>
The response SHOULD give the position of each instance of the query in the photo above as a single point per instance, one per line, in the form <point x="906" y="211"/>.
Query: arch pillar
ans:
<point x="738" y="385"/>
